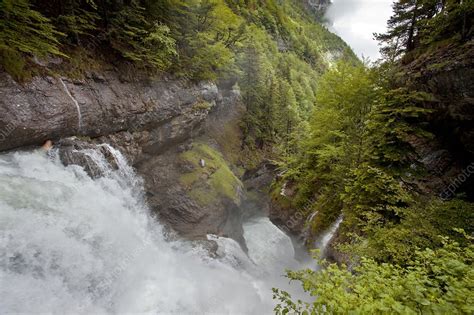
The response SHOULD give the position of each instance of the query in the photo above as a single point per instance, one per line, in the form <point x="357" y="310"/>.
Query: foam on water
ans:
<point x="324" y="240"/>
<point x="72" y="244"/>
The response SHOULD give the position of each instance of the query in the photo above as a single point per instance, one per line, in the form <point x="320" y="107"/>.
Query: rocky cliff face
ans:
<point x="317" y="6"/>
<point x="160" y="125"/>
<point x="447" y="73"/>
<point x="53" y="108"/>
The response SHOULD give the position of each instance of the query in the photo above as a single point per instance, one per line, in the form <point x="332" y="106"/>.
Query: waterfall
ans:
<point x="73" y="244"/>
<point x="323" y="242"/>
<point x="78" y="109"/>
<point x="312" y="216"/>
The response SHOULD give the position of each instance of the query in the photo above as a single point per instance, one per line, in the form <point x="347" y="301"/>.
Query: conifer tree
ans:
<point x="141" y="41"/>
<point x="24" y="31"/>
<point x="453" y="19"/>
<point x="402" y="28"/>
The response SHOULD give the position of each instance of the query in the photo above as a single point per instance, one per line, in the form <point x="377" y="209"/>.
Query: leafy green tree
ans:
<point x="398" y="114"/>
<point x="416" y="226"/>
<point x="336" y="141"/>
<point x="206" y="33"/>
<point x="439" y="281"/>
<point x="253" y="97"/>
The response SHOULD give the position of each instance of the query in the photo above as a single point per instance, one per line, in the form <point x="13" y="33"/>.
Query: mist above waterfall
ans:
<point x="356" y="21"/>
<point x="73" y="244"/>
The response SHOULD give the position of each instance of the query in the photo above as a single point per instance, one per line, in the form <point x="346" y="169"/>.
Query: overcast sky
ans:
<point x="356" y="20"/>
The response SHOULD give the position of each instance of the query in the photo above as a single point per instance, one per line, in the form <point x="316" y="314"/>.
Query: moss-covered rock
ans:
<point x="208" y="182"/>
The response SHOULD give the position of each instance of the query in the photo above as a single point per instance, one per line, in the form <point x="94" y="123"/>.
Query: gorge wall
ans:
<point x="159" y="124"/>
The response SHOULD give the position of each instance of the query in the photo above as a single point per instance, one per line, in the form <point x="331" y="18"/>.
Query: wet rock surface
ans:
<point x="54" y="108"/>
<point x="190" y="209"/>
<point x="448" y="75"/>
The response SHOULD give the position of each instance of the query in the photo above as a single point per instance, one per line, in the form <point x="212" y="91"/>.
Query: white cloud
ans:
<point x="356" y="21"/>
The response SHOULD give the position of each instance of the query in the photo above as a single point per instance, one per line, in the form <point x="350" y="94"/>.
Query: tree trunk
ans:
<point x="411" y="31"/>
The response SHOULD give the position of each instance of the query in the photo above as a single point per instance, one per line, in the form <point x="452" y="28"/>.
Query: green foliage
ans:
<point x="207" y="60"/>
<point x="76" y="21"/>
<point x="336" y="139"/>
<point x="145" y="43"/>
<point x="373" y="197"/>
<point x="356" y="149"/>
<point x="14" y="64"/>
<point x="454" y="21"/>
<point x="439" y="281"/>
<point x="207" y="33"/>
<point x="357" y="161"/>
<point x="397" y="116"/>
<point x="24" y="31"/>
<point x="417" y="24"/>
<point x="417" y="226"/>
<point x="281" y="56"/>
<point x="198" y="39"/>
<point x="354" y="161"/>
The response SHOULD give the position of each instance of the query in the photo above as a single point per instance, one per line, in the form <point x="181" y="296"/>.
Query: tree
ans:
<point x="439" y="281"/>
<point x="453" y="19"/>
<point x="75" y="18"/>
<point x="252" y="85"/>
<point x="138" y="40"/>
<point x="24" y="31"/>
<point x="405" y="26"/>
<point x="418" y="23"/>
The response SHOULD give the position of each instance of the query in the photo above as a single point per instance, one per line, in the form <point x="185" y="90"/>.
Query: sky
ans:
<point x="356" y="21"/>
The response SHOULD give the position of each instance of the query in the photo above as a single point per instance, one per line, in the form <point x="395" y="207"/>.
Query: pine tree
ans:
<point x="137" y="39"/>
<point x="405" y="26"/>
<point x="24" y="31"/>
<point x="77" y="18"/>
<point x="252" y="97"/>
<point x="453" y="19"/>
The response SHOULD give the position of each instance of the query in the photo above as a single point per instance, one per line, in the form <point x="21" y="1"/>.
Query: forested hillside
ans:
<point x="275" y="50"/>
<point x="408" y="244"/>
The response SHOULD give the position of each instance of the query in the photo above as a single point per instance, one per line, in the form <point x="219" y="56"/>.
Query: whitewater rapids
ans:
<point x="73" y="244"/>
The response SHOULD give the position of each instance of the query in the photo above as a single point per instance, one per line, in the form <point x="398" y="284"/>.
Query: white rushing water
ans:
<point x="323" y="242"/>
<point x="72" y="244"/>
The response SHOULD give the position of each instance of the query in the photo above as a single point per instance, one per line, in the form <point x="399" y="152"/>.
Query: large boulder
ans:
<point x="193" y="189"/>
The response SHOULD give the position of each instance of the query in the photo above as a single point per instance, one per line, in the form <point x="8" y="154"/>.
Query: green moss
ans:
<point x="79" y="63"/>
<point x="189" y="178"/>
<point x="203" y="196"/>
<point x="215" y="181"/>
<point x="228" y="136"/>
<point x="225" y="182"/>
<point x="282" y="201"/>
<point x="201" y="106"/>
<point x="14" y="63"/>
<point x="439" y="66"/>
